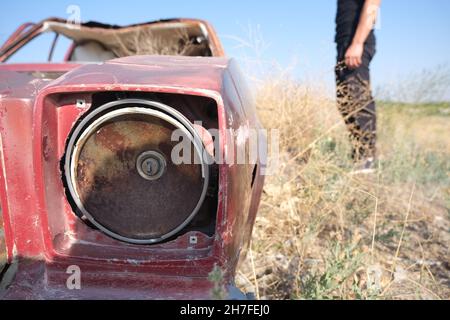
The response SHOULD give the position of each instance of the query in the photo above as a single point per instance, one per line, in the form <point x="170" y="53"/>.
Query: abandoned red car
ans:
<point x="88" y="183"/>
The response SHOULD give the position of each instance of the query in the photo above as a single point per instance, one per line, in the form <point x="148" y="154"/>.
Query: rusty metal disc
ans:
<point x="121" y="176"/>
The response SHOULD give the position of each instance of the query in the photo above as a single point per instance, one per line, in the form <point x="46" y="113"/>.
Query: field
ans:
<point x="324" y="233"/>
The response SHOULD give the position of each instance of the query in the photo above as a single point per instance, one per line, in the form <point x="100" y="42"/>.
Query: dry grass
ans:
<point x="323" y="233"/>
<point x="146" y="42"/>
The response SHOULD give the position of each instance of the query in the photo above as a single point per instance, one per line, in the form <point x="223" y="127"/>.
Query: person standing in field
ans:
<point x="355" y="39"/>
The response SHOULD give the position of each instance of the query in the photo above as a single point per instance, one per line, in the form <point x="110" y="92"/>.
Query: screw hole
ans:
<point x="193" y="240"/>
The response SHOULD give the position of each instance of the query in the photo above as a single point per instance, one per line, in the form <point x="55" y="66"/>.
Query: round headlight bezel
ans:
<point x="94" y="119"/>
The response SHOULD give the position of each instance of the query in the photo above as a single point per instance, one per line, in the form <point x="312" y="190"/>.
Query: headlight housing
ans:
<point x="120" y="174"/>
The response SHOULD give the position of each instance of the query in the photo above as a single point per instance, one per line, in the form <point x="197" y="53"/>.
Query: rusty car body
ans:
<point x="86" y="180"/>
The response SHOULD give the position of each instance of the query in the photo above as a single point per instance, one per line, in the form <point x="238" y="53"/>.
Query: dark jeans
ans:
<point x="355" y="101"/>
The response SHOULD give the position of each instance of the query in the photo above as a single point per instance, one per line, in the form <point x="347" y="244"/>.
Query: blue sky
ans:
<point x="413" y="35"/>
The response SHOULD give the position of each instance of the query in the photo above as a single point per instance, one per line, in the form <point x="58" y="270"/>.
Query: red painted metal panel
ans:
<point x="36" y="117"/>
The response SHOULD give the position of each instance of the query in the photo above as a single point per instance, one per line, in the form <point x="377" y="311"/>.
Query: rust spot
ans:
<point x="109" y="138"/>
<point x="45" y="148"/>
